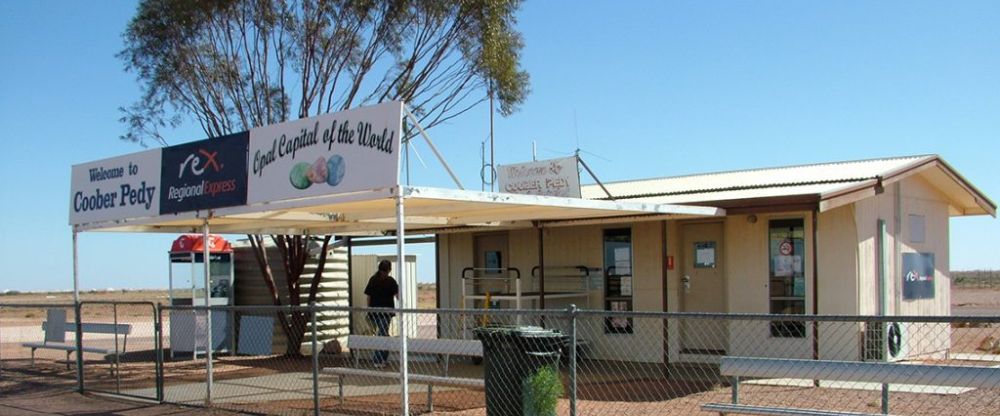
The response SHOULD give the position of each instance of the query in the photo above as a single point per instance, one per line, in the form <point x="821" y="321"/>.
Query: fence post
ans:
<point x="117" y="365"/>
<point x="572" y="360"/>
<point x="885" y="399"/>
<point x="315" y="359"/>
<point x="158" y="346"/>
<point x="79" y="344"/>
<point x="232" y="332"/>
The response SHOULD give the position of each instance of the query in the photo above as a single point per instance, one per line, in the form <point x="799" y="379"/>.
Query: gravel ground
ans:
<point x="48" y="390"/>
<point x="31" y="393"/>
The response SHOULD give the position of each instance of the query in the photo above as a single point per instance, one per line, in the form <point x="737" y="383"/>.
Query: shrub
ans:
<point x="541" y="392"/>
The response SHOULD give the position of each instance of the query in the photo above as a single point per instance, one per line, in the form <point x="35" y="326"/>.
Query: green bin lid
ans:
<point x="520" y="331"/>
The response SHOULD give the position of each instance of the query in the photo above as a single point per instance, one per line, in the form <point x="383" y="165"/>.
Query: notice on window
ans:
<point x="623" y="261"/>
<point x="704" y="254"/>
<point x="799" y="286"/>
<point x="618" y="324"/>
<point x="626" y="286"/>
<point x="493" y="262"/>
<point x="783" y="266"/>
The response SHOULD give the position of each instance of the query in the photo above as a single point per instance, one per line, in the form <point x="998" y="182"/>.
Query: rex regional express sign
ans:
<point x="334" y="153"/>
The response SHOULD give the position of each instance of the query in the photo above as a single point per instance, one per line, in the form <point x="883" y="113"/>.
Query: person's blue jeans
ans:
<point x="381" y="322"/>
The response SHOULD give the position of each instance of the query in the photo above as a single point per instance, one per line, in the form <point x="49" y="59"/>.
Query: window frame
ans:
<point x="787" y="298"/>
<point x="618" y="301"/>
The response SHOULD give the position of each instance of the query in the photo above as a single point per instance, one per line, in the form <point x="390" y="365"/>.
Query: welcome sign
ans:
<point x="553" y="177"/>
<point x="116" y="188"/>
<point x="205" y="174"/>
<point x="334" y="153"/>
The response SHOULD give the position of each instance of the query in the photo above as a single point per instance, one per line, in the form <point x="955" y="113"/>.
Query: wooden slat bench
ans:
<point x="850" y="371"/>
<point x="441" y="347"/>
<point x="56" y="327"/>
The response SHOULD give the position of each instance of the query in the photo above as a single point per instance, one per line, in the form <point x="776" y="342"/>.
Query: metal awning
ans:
<point x="428" y="210"/>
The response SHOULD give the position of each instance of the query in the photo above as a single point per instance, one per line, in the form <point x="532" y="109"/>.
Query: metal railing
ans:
<point x="314" y="360"/>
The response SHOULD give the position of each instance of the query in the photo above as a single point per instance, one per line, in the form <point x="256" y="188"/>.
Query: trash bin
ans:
<point x="513" y="357"/>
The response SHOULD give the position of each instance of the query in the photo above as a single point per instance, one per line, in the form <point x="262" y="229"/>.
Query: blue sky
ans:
<point x="655" y="88"/>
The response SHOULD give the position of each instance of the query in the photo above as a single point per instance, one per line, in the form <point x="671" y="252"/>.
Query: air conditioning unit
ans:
<point x="885" y="341"/>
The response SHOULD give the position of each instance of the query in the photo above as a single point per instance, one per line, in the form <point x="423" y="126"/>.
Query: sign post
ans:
<point x="208" y="314"/>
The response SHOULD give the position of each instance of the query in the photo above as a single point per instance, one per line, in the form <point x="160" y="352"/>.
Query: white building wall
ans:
<point x="571" y="246"/>
<point x="915" y="197"/>
<point x="838" y="283"/>
<point x="747" y="276"/>
<point x="847" y="275"/>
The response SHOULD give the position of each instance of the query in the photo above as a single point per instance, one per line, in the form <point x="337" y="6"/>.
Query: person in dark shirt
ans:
<point x="381" y="290"/>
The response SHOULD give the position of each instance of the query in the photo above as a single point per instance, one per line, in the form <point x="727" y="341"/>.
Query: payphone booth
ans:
<point x="188" y="332"/>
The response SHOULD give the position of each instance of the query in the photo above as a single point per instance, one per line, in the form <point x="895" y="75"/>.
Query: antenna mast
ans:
<point x="492" y="168"/>
<point x="482" y="165"/>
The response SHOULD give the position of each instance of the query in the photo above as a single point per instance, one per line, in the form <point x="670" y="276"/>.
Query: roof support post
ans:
<point x="403" y="301"/>
<point x="815" y="285"/>
<point x="206" y="244"/>
<point x="76" y="269"/>
<point x="350" y="284"/>
<point x="541" y="266"/>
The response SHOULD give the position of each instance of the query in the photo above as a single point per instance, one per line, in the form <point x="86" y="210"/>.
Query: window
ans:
<point x="918" y="228"/>
<point x="618" y="279"/>
<point x="787" y="281"/>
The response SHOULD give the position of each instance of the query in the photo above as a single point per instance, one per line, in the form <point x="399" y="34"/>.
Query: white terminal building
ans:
<point x="865" y="237"/>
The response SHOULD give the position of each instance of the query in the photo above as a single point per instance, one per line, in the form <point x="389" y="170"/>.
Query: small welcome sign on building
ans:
<point x="553" y="177"/>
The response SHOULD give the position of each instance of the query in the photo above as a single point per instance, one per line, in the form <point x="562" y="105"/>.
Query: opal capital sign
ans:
<point x="334" y="153"/>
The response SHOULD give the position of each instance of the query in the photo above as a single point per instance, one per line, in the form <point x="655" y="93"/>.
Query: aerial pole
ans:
<point x="493" y="171"/>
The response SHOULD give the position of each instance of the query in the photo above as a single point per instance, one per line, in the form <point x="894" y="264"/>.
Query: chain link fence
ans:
<point x="122" y="339"/>
<point x="34" y="348"/>
<point x="317" y="360"/>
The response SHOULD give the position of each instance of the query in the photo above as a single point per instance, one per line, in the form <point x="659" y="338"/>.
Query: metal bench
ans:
<point x="850" y="371"/>
<point x="441" y="347"/>
<point x="56" y="327"/>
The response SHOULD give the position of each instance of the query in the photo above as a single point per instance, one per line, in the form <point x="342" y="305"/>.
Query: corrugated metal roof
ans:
<point x="754" y="183"/>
